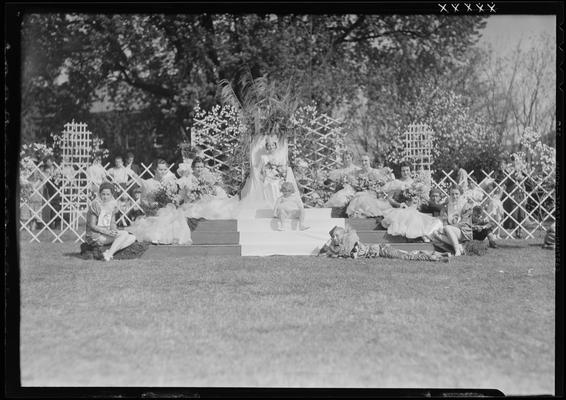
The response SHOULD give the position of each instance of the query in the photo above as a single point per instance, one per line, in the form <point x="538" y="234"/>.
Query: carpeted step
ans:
<point x="218" y="237"/>
<point x="276" y="238"/>
<point x="215" y="225"/>
<point x="270" y="224"/>
<point x="382" y="237"/>
<point x="310" y="213"/>
<point x="161" y="252"/>
<point x="364" y="224"/>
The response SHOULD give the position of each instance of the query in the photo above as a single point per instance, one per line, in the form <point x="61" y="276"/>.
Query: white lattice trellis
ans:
<point x="224" y="154"/>
<point x="537" y="205"/>
<point x="76" y="150"/>
<point x="418" y="146"/>
<point x="318" y="144"/>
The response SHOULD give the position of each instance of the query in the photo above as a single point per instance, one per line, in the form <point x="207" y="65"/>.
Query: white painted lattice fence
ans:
<point x="56" y="221"/>
<point x="530" y="204"/>
<point x="418" y="146"/>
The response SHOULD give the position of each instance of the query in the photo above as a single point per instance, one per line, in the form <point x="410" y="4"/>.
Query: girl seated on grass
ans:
<point x="101" y="223"/>
<point x="289" y="206"/>
<point x="456" y="217"/>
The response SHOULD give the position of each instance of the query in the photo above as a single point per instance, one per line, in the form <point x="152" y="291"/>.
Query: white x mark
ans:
<point x="491" y="8"/>
<point x="443" y="7"/>
<point x="480" y="7"/>
<point x="468" y="6"/>
<point x="455" y="7"/>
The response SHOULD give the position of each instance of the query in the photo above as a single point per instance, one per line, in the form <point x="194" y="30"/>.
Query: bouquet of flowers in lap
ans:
<point x="369" y="183"/>
<point x="167" y="193"/>
<point x="275" y="171"/>
<point x="204" y="186"/>
<point x="415" y="194"/>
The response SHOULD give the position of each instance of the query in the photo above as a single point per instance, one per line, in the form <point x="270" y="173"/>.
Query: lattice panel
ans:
<point x="225" y="155"/>
<point x="538" y="204"/>
<point x="319" y="145"/>
<point x="418" y="146"/>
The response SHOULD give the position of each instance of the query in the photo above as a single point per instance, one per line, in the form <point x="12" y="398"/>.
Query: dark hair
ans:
<point x="48" y="158"/>
<point x="405" y="164"/>
<point x="197" y="161"/>
<point x="456" y="187"/>
<point x="477" y="209"/>
<point x="434" y="191"/>
<point x="106" y="185"/>
<point x="129" y="154"/>
<point x="347" y="152"/>
<point x="160" y="161"/>
<point x="118" y="156"/>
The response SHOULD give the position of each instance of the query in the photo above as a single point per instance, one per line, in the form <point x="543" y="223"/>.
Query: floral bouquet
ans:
<point x="168" y="193"/>
<point x="276" y="171"/>
<point x="417" y="193"/>
<point x="368" y="182"/>
<point x="204" y="186"/>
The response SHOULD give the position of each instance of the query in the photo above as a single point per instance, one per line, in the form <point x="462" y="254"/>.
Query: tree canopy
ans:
<point x="370" y="70"/>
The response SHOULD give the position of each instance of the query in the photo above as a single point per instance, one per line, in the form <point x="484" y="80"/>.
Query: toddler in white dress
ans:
<point x="289" y="206"/>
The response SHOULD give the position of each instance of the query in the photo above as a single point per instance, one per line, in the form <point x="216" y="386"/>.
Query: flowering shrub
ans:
<point x="537" y="158"/>
<point x="220" y="127"/>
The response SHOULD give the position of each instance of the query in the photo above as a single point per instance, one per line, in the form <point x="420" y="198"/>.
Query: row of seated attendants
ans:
<point x="448" y="223"/>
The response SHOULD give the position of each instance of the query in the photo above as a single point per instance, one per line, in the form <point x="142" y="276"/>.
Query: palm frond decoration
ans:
<point x="265" y="106"/>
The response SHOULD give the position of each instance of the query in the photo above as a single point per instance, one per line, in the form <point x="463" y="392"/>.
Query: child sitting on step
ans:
<point x="289" y="206"/>
<point x="346" y="244"/>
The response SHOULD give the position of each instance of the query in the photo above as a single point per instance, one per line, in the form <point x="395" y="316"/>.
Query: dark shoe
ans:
<point x="493" y="245"/>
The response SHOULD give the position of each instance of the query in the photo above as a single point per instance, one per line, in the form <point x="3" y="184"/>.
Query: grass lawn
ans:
<point x="476" y="322"/>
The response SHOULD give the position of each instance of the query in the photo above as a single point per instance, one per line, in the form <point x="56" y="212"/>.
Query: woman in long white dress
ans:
<point x="367" y="203"/>
<point x="203" y="195"/>
<point x="168" y="225"/>
<point x="404" y="219"/>
<point x="343" y="177"/>
<point x="269" y="168"/>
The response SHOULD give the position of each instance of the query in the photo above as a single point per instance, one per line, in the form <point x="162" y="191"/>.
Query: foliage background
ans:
<point x="136" y="79"/>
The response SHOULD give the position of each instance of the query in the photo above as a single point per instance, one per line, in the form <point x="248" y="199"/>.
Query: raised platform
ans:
<point x="255" y="233"/>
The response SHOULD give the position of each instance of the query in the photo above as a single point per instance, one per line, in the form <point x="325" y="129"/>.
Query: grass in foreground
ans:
<point x="477" y="322"/>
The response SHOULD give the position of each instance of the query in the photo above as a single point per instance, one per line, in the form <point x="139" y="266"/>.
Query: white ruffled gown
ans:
<point x="168" y="226"/>
<point x="408" y="222"/>
<point x="343" y="196"/>
<point x="366" y="203"/>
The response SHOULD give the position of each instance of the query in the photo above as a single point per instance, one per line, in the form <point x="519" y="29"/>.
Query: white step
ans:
<point x="303" y="249"/>
<point x="310" y="213"/>
<point x="276" y="238"/>
<point x="270" y="224"/>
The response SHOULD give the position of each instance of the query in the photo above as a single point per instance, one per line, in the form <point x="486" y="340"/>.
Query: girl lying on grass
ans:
<point x="346" y="244"/>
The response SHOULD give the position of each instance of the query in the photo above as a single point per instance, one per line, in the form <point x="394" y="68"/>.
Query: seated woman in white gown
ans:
<point x="404" y="219"/>
<point x="168" y="225"/>
<point x="202" y="195"/>
<point x="368" y="201"/>
<point x="342" y="177"/>
<point x="269" y="168"/>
